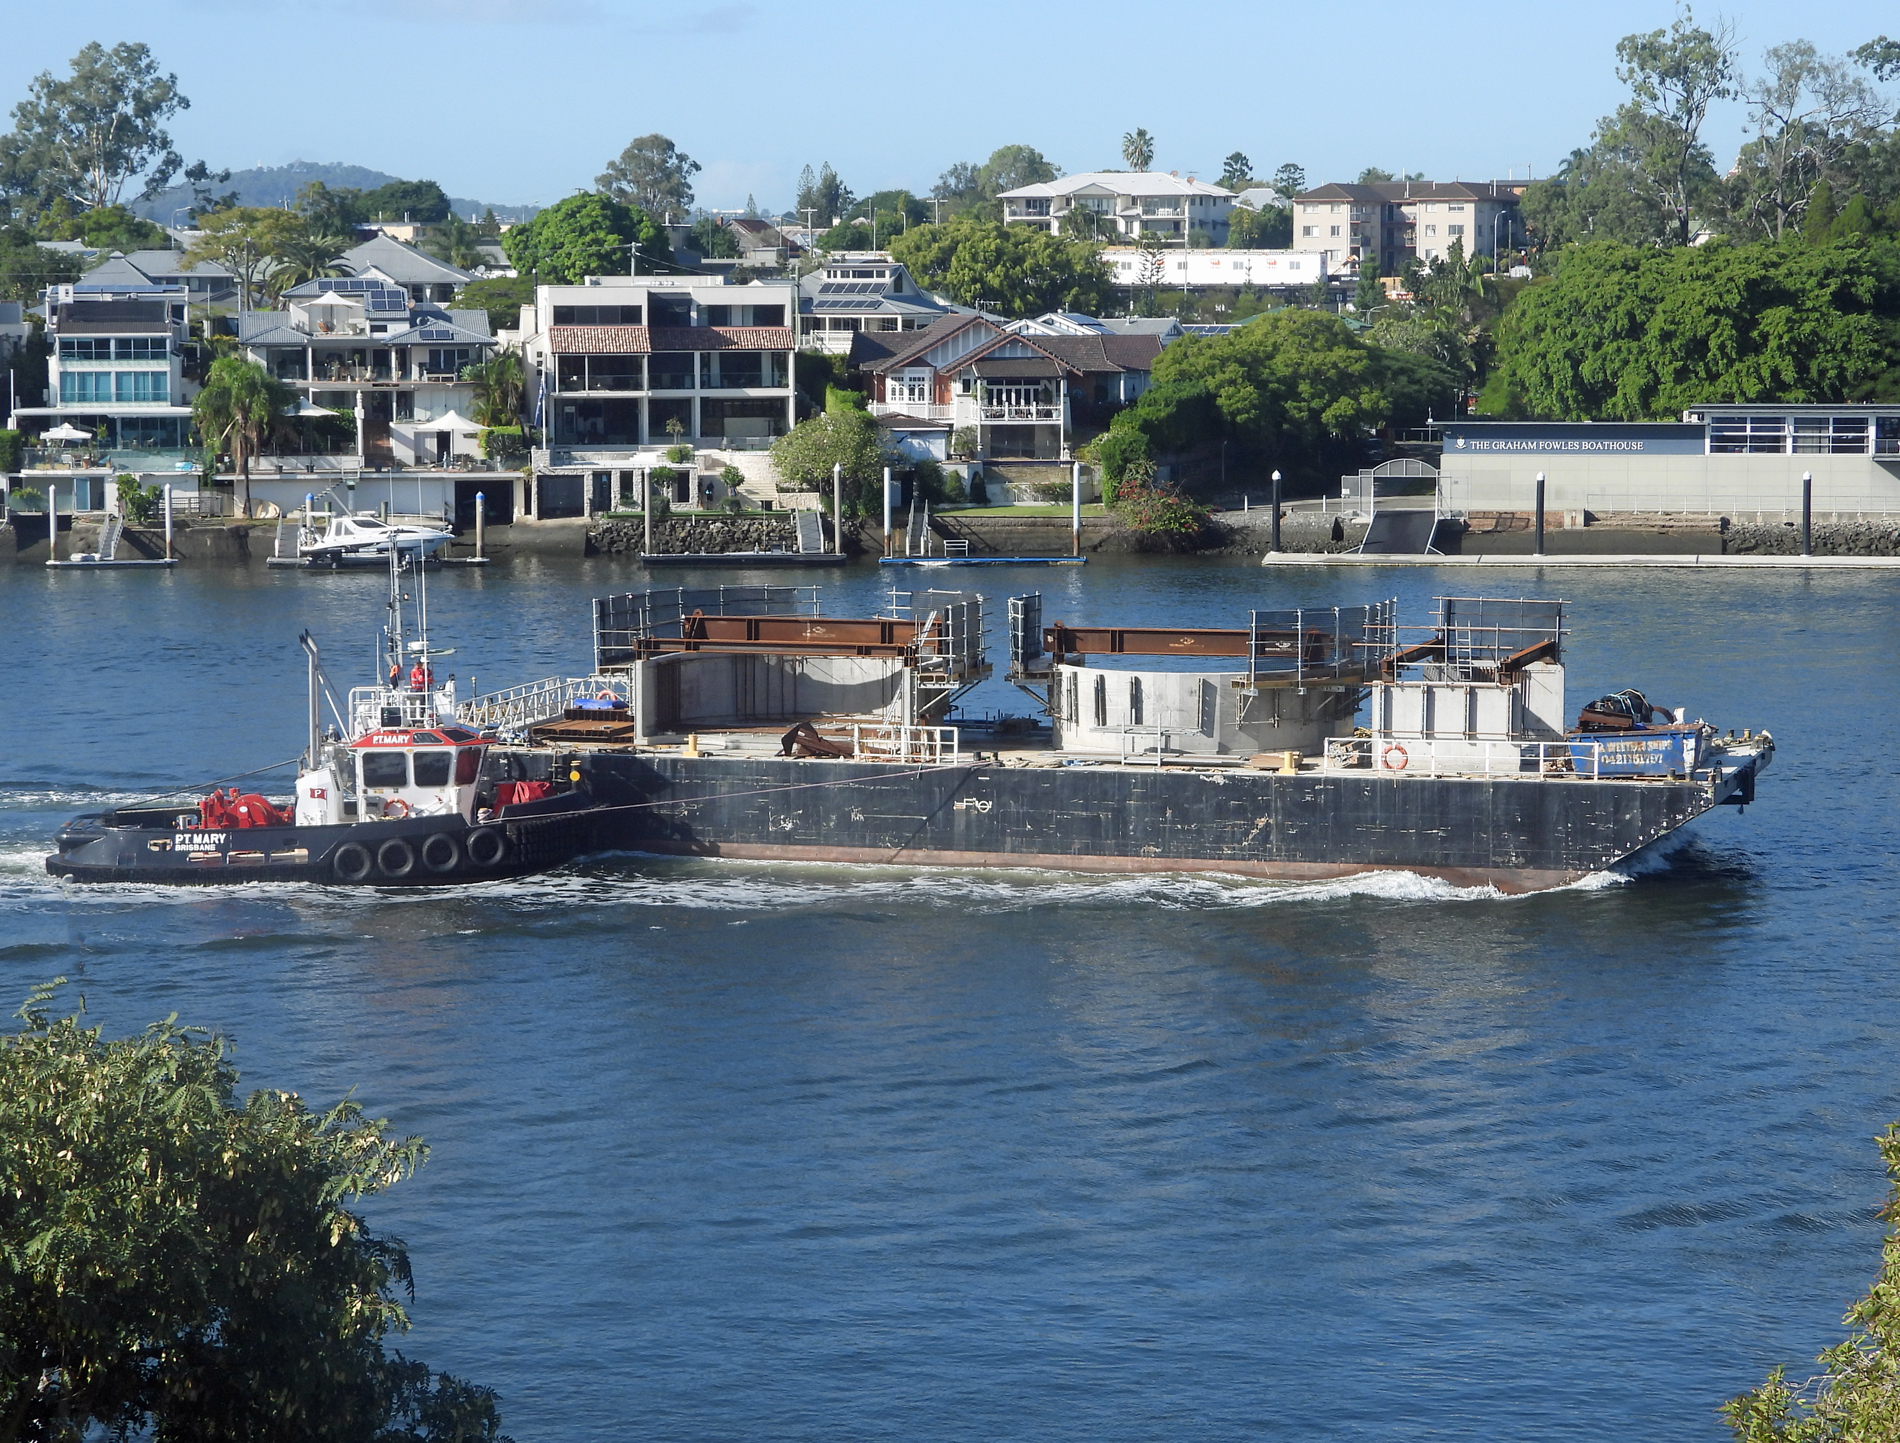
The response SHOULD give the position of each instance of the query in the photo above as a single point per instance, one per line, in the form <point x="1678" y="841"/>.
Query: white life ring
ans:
<point x="396" y="807"/>
<point x="1385" y="757"/>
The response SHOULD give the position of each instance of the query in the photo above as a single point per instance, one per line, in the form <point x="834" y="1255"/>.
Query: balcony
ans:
<point x="922" y="410"/>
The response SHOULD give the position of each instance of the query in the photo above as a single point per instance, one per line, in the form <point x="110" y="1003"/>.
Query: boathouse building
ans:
<point x="1717" y="460"/>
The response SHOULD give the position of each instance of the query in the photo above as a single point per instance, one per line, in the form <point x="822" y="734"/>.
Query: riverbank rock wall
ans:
<point x="702" y="534"/>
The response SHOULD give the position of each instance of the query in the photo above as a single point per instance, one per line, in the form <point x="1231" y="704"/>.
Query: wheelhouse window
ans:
<point x="385" y="769"/>
<point x="468" y="766"/>
<point x="433" y="768"/>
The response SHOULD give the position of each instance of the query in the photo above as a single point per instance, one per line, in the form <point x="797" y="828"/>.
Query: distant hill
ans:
<point x="273" y="185"/>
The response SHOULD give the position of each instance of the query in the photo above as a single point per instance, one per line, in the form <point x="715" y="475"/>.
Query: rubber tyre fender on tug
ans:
<point x="351" y="862"/>
<point x="440" y="853"/>
<point x="396" y="859"/>
<point x="486" y="847"/>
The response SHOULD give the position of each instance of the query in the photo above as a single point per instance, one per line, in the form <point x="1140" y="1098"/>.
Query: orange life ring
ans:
<point x="1385" y="757"/>
<point x="390" y="809"/>
<point x="608" y="696"/>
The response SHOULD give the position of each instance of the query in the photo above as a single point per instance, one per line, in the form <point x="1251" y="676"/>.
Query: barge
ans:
<point x="743" y="722"/>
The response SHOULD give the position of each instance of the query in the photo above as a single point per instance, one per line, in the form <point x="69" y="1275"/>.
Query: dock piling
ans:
<point x="1807" y="513"/>
<point x="1276" y="513"/>
<point x="1075" y="510"/>
<point x="1539" y="549"/>
<point x="168" y="521"/>
<point x="481" y="527"/>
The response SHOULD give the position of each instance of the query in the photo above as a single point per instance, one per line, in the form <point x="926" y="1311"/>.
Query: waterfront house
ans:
<point x="622" y="368"/>
<point x="1399" y="220"/>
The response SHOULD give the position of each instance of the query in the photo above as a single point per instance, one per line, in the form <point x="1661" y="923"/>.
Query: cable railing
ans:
<point x="1390" y="755"/>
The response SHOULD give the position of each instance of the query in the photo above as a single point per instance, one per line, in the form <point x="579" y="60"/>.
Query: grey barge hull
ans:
<point x="1515" y="834"/>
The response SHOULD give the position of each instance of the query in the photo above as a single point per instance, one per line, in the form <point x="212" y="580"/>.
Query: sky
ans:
<point x="524" y="101"/>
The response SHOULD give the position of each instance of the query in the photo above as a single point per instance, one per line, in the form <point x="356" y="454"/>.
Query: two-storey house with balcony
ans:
<point x="1126" y="204"/>
<point x="620" y="368"/>
<point x="857" y="291"/>
<point x="391" y="366"/>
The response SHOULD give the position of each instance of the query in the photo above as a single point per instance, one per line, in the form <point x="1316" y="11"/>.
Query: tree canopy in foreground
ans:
<point x="1856" y="1396"/>
<point x="178" y="1264"/>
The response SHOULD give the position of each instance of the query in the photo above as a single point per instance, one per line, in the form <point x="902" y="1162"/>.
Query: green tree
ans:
<point x="825" y="196"/>
<point x="1236" y="171"/>
<point x="105" y="227"/>
<point x="1012" y="270"/>
<point x="1011" y="166"/>
<point x="843" y="435"/>
<point x="333" y="212"/>
<point x="1633" y="333"/>
<point x="501" y="296"/>
<point x="1880" y="55"/>
<point x="308" y="254"/>
<point x="585" y="235"/>
<point x="1368" y="295"/>
<point x="248" y="241"/>
<point x="653" y="175"/>
<point x="180" y="1264"/>
<point x="456" y="241"/>
<point x="1138" y="149"/>
<point x="1289" y="180"/>
<point x="1268" y="228"/>
<point x="713" y="240"/>
<point x="240" y="405"/>
<point x="90" y="135"/>
<point x="1806" y="110"/>
<point x="421" y="201"/>
<point x="499" y="383"/>
<point x="1674" y="75"/>
<point x="1853" y="1399"/>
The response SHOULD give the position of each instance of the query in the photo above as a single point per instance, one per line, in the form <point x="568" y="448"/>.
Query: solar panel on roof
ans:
<point x="436" y="335"/>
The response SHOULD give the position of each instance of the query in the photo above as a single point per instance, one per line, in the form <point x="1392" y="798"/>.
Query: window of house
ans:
<point x="1458" y="208"/>
<point x="140" y="348"/>
<point x="1333" y="231"/>
<point x="614" y="373"/>
<point x="1836" y="435"/>
<point x="85" y="348"/>
<point x="670" y="370"/>
<point x="570" y="373"/>
<point x="447" y="360"/>
<point x="1306" y="231"/>
<point x="1332" y="210"/>
<point x="672" y="310"/>
<point x="768" y="315"/>
<point x="141" y="386"/>
<point x="1035" y="207"/>
<point x="81" y="386"/>
<point x="1454" y="230"/>
<point x="1431" y="230"/>
<point x="716" y="315"/>
<point x="596" y="315"/>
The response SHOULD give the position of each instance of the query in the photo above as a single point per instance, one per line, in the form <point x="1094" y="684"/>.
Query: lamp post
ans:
<point x="1276" y="513"/>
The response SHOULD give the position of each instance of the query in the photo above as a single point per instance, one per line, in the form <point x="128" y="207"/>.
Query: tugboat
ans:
<point x="397" y="792"/>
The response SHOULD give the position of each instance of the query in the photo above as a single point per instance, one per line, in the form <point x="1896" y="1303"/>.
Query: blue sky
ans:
<point x="523" y="101"/>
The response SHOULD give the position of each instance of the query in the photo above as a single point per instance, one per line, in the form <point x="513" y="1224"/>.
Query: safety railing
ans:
<point x="520" y="707"/>
<point x="876" y="743"/>
<point x="622" y="622"/>
<point x="1394" y="756"/>
<point x="1131" y="734"/>
<point x="1318" y="643"/>
<point x="374" y="708"/>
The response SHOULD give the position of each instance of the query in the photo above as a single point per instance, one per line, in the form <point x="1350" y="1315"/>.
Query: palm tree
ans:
<point x="309" y="257"/>
<point x="239" y="406"/>
<point x="499" y="383"/>
<point x="457" y="242"/>
<point x="1138" y="149"/>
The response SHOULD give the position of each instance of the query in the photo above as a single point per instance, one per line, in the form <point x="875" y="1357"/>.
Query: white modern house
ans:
<point x="117" y="396"/>
<point x="1200" y="270"/>
<point x="1126" y="204"/>
<point x="621" y="369"/>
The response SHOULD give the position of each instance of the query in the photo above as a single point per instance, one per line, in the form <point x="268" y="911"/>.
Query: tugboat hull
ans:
<point x="145" y="846"/>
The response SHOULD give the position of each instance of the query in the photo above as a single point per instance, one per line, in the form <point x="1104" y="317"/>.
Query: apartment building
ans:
<point x="1397" y="220"/>
<point x="1126" y="204"/>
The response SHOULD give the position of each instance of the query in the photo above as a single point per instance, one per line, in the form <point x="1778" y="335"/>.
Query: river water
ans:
<point x="736" y="1150"/>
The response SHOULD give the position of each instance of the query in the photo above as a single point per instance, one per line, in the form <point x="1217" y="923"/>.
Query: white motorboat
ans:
<point x="347" y="539"/>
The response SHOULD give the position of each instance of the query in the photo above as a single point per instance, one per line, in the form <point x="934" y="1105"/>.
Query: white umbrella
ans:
<point x="66" y="431"/>
<point x="306" y="407"/>
<point x="448" y="421"/>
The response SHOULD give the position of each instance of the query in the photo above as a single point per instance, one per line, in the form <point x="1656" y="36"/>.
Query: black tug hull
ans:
<point x="1515" y="834"/>
<point x="145" y="848"/>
